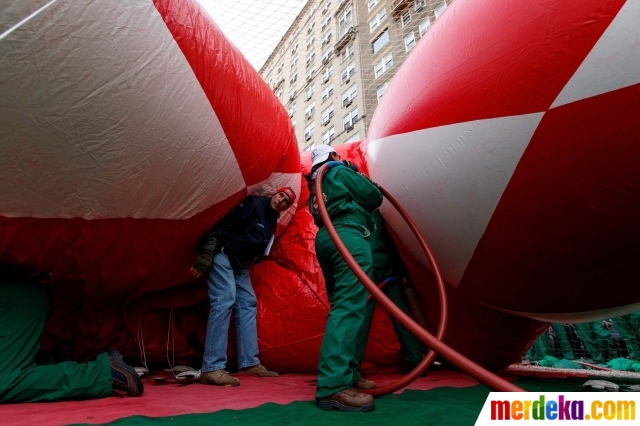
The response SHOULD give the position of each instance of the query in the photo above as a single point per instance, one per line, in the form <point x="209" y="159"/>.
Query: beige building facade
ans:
<point x="336" y="60"/>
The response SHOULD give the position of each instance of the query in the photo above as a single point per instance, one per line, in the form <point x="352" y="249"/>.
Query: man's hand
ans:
<point x="203" y="262"/>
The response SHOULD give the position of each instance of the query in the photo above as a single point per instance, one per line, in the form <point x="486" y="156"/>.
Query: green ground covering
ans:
<point x="441" y="406"/>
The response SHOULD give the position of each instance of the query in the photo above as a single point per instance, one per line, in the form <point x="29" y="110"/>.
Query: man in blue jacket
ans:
<point x="230" y="248"/>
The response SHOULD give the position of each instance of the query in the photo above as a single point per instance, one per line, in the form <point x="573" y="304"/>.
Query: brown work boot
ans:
<point x="218" y="378"/>
<point x="363" y="383"/>
<point x="258" y="370"/>
<point x="346" y="400"/>
<point x="123" y="376"/>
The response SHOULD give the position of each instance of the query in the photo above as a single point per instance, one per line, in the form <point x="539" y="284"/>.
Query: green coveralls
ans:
<point x="565" y="344"/>
<point x="350" y="198"/>
<point x="387" y="263"/>
<point x="629" y="328"/>
<point x="542" y="346"/>
<point x="24" y="308"/>
<point x="597" y="340"/>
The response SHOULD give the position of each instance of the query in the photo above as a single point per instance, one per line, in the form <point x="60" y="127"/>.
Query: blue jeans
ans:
<point x="230" y="288"/>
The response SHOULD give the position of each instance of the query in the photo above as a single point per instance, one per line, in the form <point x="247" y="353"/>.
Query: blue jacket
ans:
<point x="244" y="233"/>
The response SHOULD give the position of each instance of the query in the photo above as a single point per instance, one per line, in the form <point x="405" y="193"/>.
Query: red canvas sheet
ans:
<point x="176" y="399"/>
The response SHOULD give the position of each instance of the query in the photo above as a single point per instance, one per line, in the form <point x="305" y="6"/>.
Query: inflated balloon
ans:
<point x="128" y="131"/>
<point x="518" y="142"/>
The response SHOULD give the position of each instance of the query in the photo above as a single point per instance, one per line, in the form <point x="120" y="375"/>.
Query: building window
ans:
<point x="377" y="20"/>
<point x="293" y="78"/>
<point x="308" y="131"/>
<point x="310" y="74"/>
<point x="308" y="112"/>
<point x="350" y="119"/>
<point x="294" y="49"/>
<point x="406" y="18"/>
<point x="371" y="4"/>
<point x="327" y="114"/>
<point x="310" y="27"/>
<point x="424" y="26"/>
<point x="293" y="93"/>
<point x="420" y="4"/>
<point x="292" y="110"/>
<point x="310" y="42"/>
<point x="349" y="95"/>
<point x="346" y="75"/>
<point x="326" y="93"/>
<point x="440" y="9"/>
<point x="380" y="41"/>
<point x="348" y="51"/>
<point x="326" y="38"/>
<point x="279" y="95"/>
<point x="325" y="7"/>
<point x="294" y="62"/>
<point x="409" y="41"/>
<point x="309" y="92"/>
<point x="327" y="54"/>
<point x="310" y="13"/>
<point x="328" y="72"/>
<point x="383" y="64"/>
<point x="329" y="136"/>
<point x="325" y="22"/>
<point x="381" y="90"/>
<point x="310" y="59"/>
<point x="345" y="20"/>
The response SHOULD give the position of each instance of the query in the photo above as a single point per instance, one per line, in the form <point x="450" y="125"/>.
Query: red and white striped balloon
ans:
<point x="510" y="135"/>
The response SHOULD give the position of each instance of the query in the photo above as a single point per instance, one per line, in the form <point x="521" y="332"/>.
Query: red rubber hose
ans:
<point x="463" y="363"/>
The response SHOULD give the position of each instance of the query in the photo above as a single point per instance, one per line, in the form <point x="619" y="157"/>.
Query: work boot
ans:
<point x="346" y="400"/>
<point x="258" y="370"/>
<point x="363" y="383"/>
<point x="123" y="376"/>
<point x="218" y="378"/>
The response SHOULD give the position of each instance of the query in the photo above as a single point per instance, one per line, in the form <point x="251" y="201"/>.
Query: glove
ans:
<point x="203" y="262"/>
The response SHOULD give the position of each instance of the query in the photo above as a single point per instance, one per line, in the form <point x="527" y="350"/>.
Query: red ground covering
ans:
<point x="176" y="399"/>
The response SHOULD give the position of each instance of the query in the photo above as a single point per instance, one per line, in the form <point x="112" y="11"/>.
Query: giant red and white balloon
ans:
<point x="521" y="138"/>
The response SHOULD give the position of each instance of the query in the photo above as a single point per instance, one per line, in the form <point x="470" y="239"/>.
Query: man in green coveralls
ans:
<point x="350" y="198"/>
<point x="629" y="328"/>
<point x="597" y="341"/>
<point x="542" y="346"/>
<point x="24" y="308"/>
<point x="387" y="264"/>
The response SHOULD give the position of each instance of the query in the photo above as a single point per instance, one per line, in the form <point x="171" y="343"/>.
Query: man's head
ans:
<point x="322" y="153"/>
<point x="282" y="199"/>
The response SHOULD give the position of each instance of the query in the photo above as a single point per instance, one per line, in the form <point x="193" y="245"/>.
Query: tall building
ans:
<point x="334" y="63"/>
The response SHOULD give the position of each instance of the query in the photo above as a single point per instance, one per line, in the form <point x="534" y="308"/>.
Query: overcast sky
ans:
<point x="254" y="26"/>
